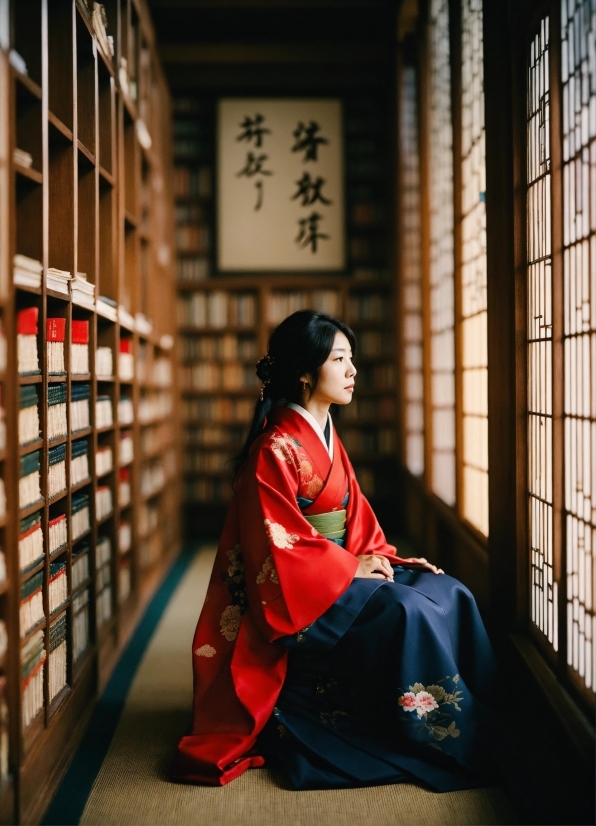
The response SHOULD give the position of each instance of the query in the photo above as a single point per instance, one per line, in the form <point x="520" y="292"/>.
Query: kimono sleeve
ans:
<point x="293" y="574"/>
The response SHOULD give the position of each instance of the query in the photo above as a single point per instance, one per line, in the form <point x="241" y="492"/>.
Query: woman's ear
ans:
<point x="306" y="378"/>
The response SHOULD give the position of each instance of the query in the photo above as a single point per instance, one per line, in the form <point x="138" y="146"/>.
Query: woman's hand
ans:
<point x="422" y="564"/>
<point x="374" y="567"/>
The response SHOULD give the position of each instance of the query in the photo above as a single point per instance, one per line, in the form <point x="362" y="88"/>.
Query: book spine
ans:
<point x="57" y="670"/>
<point x="80" y="570"/>
<point x="103" y="413"/>
<point x="31" y="611"/>
<point x="103" y="552"/>
<point x="79" y="415"/>
<point x="33" y="694"/>
<point x="126" y="448"/>
<point x="103" y="605"/>
<point x="58" y="590"/>
<point x="57" y="426"/>
<point x="103" y="461"/>
<point x="29" y="489"/>
<point x="80" y="632"/>
<point x="57" y="534"/>
<point x="104" y="362"/>
<point x="123" y="583"/>
<point x="79" y="469"/>
<point x="30" y="547"/>
<point x="79" y="354"/>
<point x="80" y="523"/>
<point x="27" y="358"/>
<point x="103" y="502"/>
<point x="55" y="356"/>
<point x="56" y="478"/>
<point x="124" y="537"/>
<point x="28" y="425"/>
<point x="126" y="366"/>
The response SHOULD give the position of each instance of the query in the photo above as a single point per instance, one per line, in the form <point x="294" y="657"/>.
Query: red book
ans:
<point x="126" y="345"/>
<point x="55" y="329"/>
<point x="27" y="321"/>
<point x="80" y="332"/>
<point x="55" y="521"/>
<point x="124" y="474"/>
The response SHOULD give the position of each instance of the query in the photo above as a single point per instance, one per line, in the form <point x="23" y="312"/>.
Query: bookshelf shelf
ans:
<point x="78" y="205"/>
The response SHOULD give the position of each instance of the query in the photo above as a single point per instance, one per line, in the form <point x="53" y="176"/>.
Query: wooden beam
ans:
<point x="171" y="5"/>
<point x="274" y="53"/>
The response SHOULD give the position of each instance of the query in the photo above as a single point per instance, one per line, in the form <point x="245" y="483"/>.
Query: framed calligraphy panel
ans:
<point x="280" y="184"/>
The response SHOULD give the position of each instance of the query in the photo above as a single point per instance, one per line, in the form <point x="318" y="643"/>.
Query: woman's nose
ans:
<point x="352" y="371"/>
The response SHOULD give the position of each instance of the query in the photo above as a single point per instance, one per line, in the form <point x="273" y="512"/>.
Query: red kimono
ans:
<point x="273" y="575"/>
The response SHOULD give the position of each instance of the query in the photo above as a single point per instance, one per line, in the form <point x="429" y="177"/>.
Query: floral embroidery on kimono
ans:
<point x="284" y="447"/>
<point x="234" y="578"/>
<point x="427" y="702"/>
<point x="230" y="622"/>
<point x="279" y="536"/>
<point x="268" y="570"/>
<point x="206" y="651"/>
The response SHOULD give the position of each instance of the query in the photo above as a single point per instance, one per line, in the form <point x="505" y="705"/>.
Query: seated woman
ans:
<point x="319" y="650"/>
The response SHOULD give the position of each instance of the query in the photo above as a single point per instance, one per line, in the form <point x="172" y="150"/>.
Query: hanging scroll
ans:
<point x="280" y="195"/>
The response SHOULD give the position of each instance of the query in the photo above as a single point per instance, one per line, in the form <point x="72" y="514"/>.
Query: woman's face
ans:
<point x="336" y="376"/>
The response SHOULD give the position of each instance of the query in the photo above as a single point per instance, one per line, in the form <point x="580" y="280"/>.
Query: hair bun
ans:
<point x="265" y="368"/>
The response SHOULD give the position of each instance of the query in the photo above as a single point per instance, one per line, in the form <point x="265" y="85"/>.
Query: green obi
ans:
<point x="331" y="525"/>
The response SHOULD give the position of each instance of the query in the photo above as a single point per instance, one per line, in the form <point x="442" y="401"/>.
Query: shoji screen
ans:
<point x="578" y="104"/>
<point x="474" y="373"/>
<point x="411" y="298"/>
<point x="441" y="274"/>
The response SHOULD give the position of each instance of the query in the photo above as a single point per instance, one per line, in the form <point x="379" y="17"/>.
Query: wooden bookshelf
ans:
<point x="89" y="192"/>
<point x="224" y="322"/>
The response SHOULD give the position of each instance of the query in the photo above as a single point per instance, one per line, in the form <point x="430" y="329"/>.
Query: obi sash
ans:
<point x="331" y="525"/>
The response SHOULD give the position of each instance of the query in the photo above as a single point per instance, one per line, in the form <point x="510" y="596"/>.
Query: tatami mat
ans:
<point x="132" y="786"/>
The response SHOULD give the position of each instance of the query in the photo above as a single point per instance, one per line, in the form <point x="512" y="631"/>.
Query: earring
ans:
<point x="304" y="385"/>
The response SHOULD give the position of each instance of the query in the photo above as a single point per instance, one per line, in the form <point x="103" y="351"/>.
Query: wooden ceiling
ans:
<point x="275" y="45"/>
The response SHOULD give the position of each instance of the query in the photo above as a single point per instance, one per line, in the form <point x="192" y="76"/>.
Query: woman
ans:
<point x="319" y="649"/>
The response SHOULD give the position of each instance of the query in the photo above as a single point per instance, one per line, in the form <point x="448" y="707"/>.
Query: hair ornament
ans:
<point x="264" y="371"/>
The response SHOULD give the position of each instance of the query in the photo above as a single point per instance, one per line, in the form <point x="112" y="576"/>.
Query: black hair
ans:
<point x="300" y="344"/>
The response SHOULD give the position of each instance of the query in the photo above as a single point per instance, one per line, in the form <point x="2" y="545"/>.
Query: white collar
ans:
<point x="315" y="426"/>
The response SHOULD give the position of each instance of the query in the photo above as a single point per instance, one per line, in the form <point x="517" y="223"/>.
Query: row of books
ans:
<point x="218" y="410"/>
<point x="152" y="478"/>
<point x="281" y="304"/>
<point x="214" y="376"/>
<point x="212" y="461"/>
<point x="148" y="518"/>
<point x="154" y="406"/>
<point x="27" y="272"/>
<point x="193" y="268"/>
<point x="27" y="354"/>
<point x="368" y="213"/>
<point x="190" y="212"/>
<point x="191" y="182"/>
<point x="155" y="439"/>
<point x="195" y="239"/>
<point x="150" y="549"/>
<point x="379" y="377"/>
<point x="369" y="307"/>
<point x="190" y="147"/>
<point x="217" y="309"/>
<point x="209" y="435"/>
<point x="208" y="490"/>
<point x="368" y="247"/>
<point x="226" y="347"/>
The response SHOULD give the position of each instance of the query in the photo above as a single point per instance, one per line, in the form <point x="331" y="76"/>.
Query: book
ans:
<point x="82" y="291"/>
<point x="30" y="542"/>
<point x="57" y="425"/>
<point x="79" y="350"/>
<point x="2" y="568"/>
<point x="103" y="412"/>
<point x="104" y="362"/>
<point x="4" y="731"/>
<point x="79" y="407"/>
<point x="124" y="492"/>
<point x="31" y="607"/>
<point x="3" y="348"/>
<point x="103" y="552"/>
<point x="58" y="585"/>
<point x="126" y="366"/>
<point x="125" y="410"/>
<point x="56" y="470"/>
<point x="29" y="428"/>
<point x="80" y="623"/>
<point x="26" y="271"/>
<point x="33" y="657"/>
<point x="103" y="461"/>
<point x="3" y="644"/>
<point x="124" y="580"/>
<point x="57" y="657"/>
<point x="79" y="462"/>
<point x="57" y="533"/>
<point x="103" y="557"/>
<point x="103" y="502"/>
<point x="58" y="280"/>
<point x="55" y="332"/>
<point x="125" y="318"/>
<point x="80" y="515"/>
<point x="29" y="481"/>
<point x="103" y="606"/>
<point x="80" y="564"/>
<point x="27" y="356"/>
<point x="124" y="536"/>
<point x="107" y="307"/>
<point x="126" y="447"/>
<point x="22" y="158"/>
